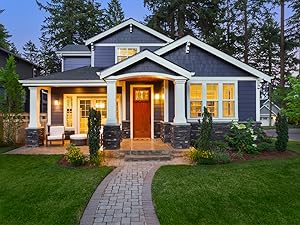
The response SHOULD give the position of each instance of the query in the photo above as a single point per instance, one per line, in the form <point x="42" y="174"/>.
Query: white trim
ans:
<point x="124" y="24"/>
<point x="166" y="101"/>
<point x="62" y="83"/>
<point x="62" y="64"/>
<point x="92" y="55"/>
<point x="264" y="106"/>
<point x="131" y="107"/>
<point x="34" y="108"/>
<point x="179" y="102"/>
<point x="215" y="52"/>
<point x="220" y="100"/>
<point x="266" y="103"/>
<point x="74" y="53"/>
<point x="127" y="46"/>
<point x="123" y="100"/>
<point x="257" y="101"/>
<point x="140" y="56"/>
<point x="49" y="102"/>
<point x="204" y="78"/>
<point x="146" y="74"/>
<point x="131" y="44"/>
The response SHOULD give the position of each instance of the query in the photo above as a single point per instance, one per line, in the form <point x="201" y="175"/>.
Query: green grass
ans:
<point x="253" y="192"/>
<point x="35" y="190"/>
<point x="6" y="148"/>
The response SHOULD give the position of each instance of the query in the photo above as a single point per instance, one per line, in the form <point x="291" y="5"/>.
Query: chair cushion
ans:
<point x="55" y="137"/>
<point x="78" y="136"/>
<point x="57" y="130"/>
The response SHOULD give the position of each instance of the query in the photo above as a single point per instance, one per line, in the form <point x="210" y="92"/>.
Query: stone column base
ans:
<point x="125" y="129"/>
<point x="180" y="135"/>
<point x="111" y="136"/>
<point x="34" y="137"/>
<point x="165" y="132"/>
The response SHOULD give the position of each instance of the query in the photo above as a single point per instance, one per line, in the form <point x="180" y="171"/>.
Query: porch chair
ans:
<point x="56" y="133"/>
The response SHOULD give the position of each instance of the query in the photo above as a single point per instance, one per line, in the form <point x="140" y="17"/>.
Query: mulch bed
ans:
<point x="262" y="155"/>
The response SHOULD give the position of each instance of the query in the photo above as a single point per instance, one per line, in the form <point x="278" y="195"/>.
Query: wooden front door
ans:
<point x="141" y="112"/>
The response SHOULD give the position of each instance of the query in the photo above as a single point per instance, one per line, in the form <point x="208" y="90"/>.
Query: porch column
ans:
<point x="179" y="94"/>
<point x="180" y="129"/>
<point x="34" y="133"/>
<point x="111" y="102"/>
<point x="111" y="130"/>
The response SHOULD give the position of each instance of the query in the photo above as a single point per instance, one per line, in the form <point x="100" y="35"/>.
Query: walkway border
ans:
<point x="148" y="207"/>
<point x="91" y="208"/>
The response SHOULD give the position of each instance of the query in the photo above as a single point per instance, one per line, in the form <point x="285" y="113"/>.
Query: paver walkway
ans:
<point x="124" y="197"/>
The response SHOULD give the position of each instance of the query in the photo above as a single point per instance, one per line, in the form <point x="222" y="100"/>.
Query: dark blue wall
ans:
<point x="146" y="65"/>
<point x="76" y="62"/>
<point x="104" y="56"/>
<point x="247" y="100"/>
<point x="150" y="48"/>
<point x="137" y="36"/>
<point x="203" y="63"/>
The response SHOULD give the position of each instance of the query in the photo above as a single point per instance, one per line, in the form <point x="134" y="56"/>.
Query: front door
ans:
<point x="141" y="112"/>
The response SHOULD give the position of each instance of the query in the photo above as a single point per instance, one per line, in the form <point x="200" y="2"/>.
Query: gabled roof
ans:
<point x="19" y="57"/>
<point x="76" y="48"/>
<point x="268" y="109"/>
<point x="266" y="102"/>
<point x="146" y="54"/>
<point x="215" y="52"/>
<point x="124" y="24"/>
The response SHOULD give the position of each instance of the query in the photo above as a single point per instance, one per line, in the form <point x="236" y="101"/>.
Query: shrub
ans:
<point x="265" y="146"/>
<point x="96" y="159"/>
<point x="74" y="155"/>
<point x="242" y="137"/>
<point x="94" y="124"/>
<point x="205" y="129"/>
<point x="282" y="132"/>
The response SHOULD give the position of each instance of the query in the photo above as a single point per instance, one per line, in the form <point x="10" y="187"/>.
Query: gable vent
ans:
<point x="130" y="28"/>
<point x="187" y="47"/>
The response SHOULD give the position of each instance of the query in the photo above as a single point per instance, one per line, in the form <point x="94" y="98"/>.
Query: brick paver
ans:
<point x="124" y="197"/>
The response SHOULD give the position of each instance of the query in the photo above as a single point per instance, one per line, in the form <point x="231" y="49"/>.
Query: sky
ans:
<point x="23" y="19"/>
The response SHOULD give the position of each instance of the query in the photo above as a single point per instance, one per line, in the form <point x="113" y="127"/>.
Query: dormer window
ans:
<point x="123" y="53"/>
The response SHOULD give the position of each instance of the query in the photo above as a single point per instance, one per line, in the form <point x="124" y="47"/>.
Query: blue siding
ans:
<point x="104" y="56"/>
<point x="203" y="63"/>
<point x="71" y="63"/>
<point x="150" y="48"/>
<point x="137" y="36"/>
<point x="247" y="100"/>
<point x="145" y="66"/>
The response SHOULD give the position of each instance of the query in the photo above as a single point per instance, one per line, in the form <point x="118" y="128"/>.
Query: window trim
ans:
<point x="220" y="99"/>
<point x="125" y="46"/>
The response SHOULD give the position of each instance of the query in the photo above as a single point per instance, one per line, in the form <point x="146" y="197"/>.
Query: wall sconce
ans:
<point x="56" y="102"/>
<point x="156" y="96"/>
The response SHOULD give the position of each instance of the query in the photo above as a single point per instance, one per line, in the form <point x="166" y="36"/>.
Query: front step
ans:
<point x="135" y="158"/>
<point x="146" y="152"/>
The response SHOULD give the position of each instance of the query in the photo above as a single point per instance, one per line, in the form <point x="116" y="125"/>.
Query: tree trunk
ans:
<point x="270" y="85"/>
<point x="246" y="35"/>
<point x="172" y="25"/>
<point x="282" y="54"/>
<point x="181" y="21"/>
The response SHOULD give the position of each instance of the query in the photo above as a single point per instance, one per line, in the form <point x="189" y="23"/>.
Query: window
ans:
<point x="101" y="107"/>
<point x="69" y="113"/>
<point x="196" y="100"/>
<point x="212" y="99"/>
<point x="228" y="100"/>
<point x="124" y="53"/>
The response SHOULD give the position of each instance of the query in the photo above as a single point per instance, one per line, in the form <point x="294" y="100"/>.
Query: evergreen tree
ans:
<point x="68" y="22"/>
<point x="114" y="14"/>
<point x="31" y="52"/>
<point x="4" y="36"/>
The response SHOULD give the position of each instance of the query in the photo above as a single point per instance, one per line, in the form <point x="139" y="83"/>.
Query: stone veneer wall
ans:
<point x="111" y="137"/>
<point x="165" y="132"/>
<point x="125" y="129"/>
<point x="34" y="137"/>
<point x="181" y="136"/>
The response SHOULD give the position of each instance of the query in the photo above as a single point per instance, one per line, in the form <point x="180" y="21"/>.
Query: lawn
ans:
<point x="253" y="192"/>
<point x="35" y="190"/>
<point x="6" y="148"/>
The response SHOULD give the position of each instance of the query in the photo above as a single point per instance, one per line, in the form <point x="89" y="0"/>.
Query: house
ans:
<point x="145" y="85"/>
<point x="265" y="113"/>
<point x="24" y="68"/>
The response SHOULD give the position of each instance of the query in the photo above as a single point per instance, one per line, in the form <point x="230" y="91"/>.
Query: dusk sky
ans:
<point x="23" y="19"/>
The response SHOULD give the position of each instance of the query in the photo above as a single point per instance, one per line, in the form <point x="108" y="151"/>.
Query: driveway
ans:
<point x="294" y="133"/>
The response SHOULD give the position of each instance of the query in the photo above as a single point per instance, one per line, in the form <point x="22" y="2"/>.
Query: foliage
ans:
<point x="292" y="109"/>
<point x="12" y="101"/>
<point x="96" y="160"/>
<point x="94" y="123"/>
<point x="68" y="22"/>
<point x="205" y="129"/>
<point x="242" y="137"/>
<point x="74" y="155"/>
<point x="282" y="132"/>
<point x="4" y="36"/>
<point x="31" y="53"/>
<point x="114" y="14"/>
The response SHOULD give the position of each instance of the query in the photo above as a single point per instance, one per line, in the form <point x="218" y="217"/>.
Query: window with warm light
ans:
<point x="69" y="111"/>
<point x="195" y="100"/>
<point x="124" y="53"/>
<point x="101" y="107"/>
<point x="212" y="99"/>
<point x="228" y="100"/>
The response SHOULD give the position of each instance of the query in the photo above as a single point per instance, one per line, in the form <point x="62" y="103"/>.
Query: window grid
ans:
<point x="125" y="52"/>
<point x="195" y="100"/>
